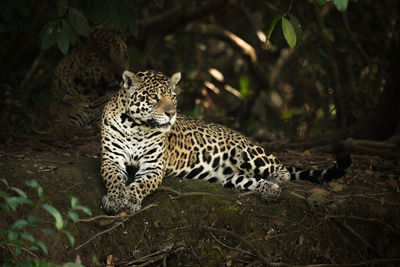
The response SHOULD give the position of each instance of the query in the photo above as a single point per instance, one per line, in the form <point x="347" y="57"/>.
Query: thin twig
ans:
<point x="117" y="217"/>
<point x="24" y="249"/>
<point x="179" y="194"/>
<point x="229" y="247"/>
<point x="99" y="234"/>
<point x="240" y="238"/>
<point x="153" y="257"/>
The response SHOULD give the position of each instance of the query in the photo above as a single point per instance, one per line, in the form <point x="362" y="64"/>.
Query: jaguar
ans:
<point x="86" y="78"/>
<point x="141" y="128"/>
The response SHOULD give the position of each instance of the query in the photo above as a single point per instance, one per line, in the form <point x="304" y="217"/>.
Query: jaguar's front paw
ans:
<point x="280" y="178"/>
<point x="269" y="191"/>
<point x="134" y="205"/>
<point x="112" y="203"/>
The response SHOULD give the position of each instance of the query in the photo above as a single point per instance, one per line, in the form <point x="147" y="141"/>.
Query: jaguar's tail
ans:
<point x="343" y="162"/>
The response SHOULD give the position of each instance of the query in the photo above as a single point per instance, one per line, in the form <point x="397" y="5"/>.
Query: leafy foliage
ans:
<point x="19" y="235"/>
<point x="74" y="18"/>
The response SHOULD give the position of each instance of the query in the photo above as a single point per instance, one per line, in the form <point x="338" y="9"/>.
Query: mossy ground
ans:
<point x="357" y="223"/>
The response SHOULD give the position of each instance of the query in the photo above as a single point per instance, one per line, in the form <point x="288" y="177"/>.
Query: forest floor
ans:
<point x="354" y="220"/>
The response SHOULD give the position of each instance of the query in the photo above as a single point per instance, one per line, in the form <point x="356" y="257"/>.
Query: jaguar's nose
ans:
<point x="170" y="112"/>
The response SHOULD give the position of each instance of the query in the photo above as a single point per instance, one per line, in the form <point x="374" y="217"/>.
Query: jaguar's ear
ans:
<point x="175" y="78"/>
<point x="131" y="81"/>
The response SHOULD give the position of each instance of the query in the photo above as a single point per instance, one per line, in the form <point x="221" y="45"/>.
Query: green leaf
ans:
<point x="62" y="40"/>
<point x="49" y="232"/>
<point x="341" y="5"/>
<point x="33" y="183"/>
<point x="42" y="246"/>
<point x="32" y="220"/>
<point x="56" y="215"/>
<point x="19" y="224"/>
<point x="78" y="21"/>
<point x="4" y="181"/>
<point x="83" y="209"/>
<point x="70" y="32"/>
<point x="244" y="86"/>
<point x="12" y="236"/>
<point x="272" y="27"/>
<point x="288" y="32"/>
<point x="13" y="202"/>
<point x="297" y="27"/>
<point x="33" y="248"/>
<point x="19" y="192"/>
<point x="73" y="215"/>
<point x="28" y="236"/>
<point x="321" y="2"/>
<point x="74" y="201"/>
<point x="70" y="236"/>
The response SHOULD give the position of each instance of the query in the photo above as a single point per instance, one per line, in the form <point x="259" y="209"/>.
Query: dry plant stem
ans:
<point x="191" y="194"/>
<point x="99" y="234"/>
<point x="24" y="249"/>
<point x="154" y="257"/>
<point x="238" y="237"/>
<point x="117" y="217"/>
<point x="229" y="247"/>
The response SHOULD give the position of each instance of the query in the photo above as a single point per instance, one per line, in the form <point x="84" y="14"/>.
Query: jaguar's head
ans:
<point x="152" y="98"/>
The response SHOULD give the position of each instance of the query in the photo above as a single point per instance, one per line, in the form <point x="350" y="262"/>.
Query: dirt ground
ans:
<point x="354" y="220"/>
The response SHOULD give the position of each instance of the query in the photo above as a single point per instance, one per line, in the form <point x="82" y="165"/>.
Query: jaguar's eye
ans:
<point x="154" y="97"/>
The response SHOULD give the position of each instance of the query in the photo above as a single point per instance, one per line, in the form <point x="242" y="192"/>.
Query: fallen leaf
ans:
<point x="242" y="211"/>
<point x="156" y="224"/>
<point x="228" y="263"/>
<point x="122" y="213"/>
<point x="267" y="237"/>
<point x="301" y="240"/>
<point x="217" y="248"/>
<point x="336" y="187"/>
<point x="320" y="191"/>
<point x="48" y="168"/>
<point x="382" y="200"/>
<point x="109" y="261"/>
<point x="78" y="259"/>
<point x="66" y="154"/>
<point x="316" y="199"/>
<point x="305" y="153"/>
